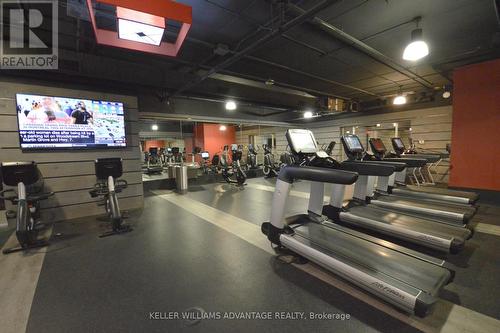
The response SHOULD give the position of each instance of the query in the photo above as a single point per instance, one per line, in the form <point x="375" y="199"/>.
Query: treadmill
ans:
<point x="448" y="213"/>
<point x="409" y="283"/>
<point x="434" y="193"/>
<point x="359" y="213"/>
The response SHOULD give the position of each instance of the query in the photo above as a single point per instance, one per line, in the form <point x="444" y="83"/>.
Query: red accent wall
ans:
<point x="154" y="144"/>
<point x="475" y="158"/>
<point x="210" y="138"/>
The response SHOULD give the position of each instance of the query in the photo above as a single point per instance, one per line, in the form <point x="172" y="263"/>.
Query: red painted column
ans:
<point x="475" y="145"/>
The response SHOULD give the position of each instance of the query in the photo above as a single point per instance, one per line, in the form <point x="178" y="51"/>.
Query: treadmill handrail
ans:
<point x="410" y="162"/>
<point x="368" y="168"/>
<point x="398" y="166"/>
<point x="290" y="173"/>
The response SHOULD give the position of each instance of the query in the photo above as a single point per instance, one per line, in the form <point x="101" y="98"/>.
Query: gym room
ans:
<point x="249" y="166"/>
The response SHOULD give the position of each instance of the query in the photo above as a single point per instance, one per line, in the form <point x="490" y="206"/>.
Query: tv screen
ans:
<point x="47" y="122"/>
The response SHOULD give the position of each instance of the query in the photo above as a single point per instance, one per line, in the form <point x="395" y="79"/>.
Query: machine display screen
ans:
<point x="399" y="143"/>
<point x="47" y="122"/>
<point x="353" y="143"/>
<point x="378" y="145"/>
<point x="302" y="141"/>
<point x="205" y="154"/>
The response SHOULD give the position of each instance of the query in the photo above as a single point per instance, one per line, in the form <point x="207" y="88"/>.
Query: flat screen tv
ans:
<point x="48" y="122"/>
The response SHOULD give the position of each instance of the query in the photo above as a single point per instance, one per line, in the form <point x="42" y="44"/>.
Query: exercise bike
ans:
<point x="29" y="181"/>
<point x="270" y="168"/>
<point x="107" y="171"/>
<point x="235" y="169"/>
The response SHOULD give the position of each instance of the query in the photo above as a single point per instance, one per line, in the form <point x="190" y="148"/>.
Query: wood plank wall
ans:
<point x="432" y="125"/>
<point x="70" y="174"/>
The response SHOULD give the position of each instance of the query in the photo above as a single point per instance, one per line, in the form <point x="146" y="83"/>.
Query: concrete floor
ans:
<point x="181" y="258"/>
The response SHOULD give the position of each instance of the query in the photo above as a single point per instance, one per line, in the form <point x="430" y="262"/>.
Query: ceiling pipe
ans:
<point x="303" y="17"/>
<point x="362" y="47"/>
<point x="313" y="76"/>
<point x="285" y="68"/>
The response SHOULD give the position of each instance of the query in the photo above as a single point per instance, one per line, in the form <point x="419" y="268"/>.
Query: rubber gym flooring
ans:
<point x="178" y="259"/>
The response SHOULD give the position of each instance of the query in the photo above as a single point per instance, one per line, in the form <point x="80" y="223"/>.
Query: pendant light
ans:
<point x="417" y="49"/>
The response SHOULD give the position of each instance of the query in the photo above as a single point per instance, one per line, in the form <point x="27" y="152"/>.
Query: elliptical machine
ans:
<point x="329" y="149"/>
<point x="154" y="162"/>
<point x="235" y="169"/>
<point x="270" y="168"/>
<point x="252" y="162"/>
<point x="205" y="164"/>
<point x="29" y="181"/>
<point x="287" y="158"/>
<point x="107" y="171"/>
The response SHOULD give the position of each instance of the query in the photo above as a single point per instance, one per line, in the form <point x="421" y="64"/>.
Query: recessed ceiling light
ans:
<point x="222" y="128"/>
<point x="378" y="125"/>
<point x="140" y="32"/>
<point x="230" y="105"/>
<point x="154" y="127"/>
<point x="308" y="114"/>
<point x="446" y="94"/>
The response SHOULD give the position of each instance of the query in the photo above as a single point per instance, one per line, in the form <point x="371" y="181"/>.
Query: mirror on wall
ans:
<point x="167" y="143"/>
<point x="384" y="131"/>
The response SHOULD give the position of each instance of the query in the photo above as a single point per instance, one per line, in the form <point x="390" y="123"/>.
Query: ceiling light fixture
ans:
<point x="269" y="82"/>
<point x="222" y="128"/>
<point x="141" y="25"/>
<point x="378" y="125"/>
<point x="308" y="114"/>
<point x="230" y="105"/>
<point x="447" y="91"/>
<point x="154" y="127"/>
<point x="417" y="49"/>
<point x="400" y="99"/>
<point x="140" y="32"/>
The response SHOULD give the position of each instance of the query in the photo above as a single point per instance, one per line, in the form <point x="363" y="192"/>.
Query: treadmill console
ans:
<point x="301" y="141"/>
<point x="352" y="146"/>
<point x="205" y="155"/>
<point x="398" y="145"/>
<point x="378" y="147"/>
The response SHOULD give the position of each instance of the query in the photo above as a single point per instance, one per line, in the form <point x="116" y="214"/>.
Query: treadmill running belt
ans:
<point x="473" y="197"/>
<point x="422" y="275"/>
<point x="468" y="212"/>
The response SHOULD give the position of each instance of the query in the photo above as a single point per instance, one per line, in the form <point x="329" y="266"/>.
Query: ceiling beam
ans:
<point x="305" y="16"/>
